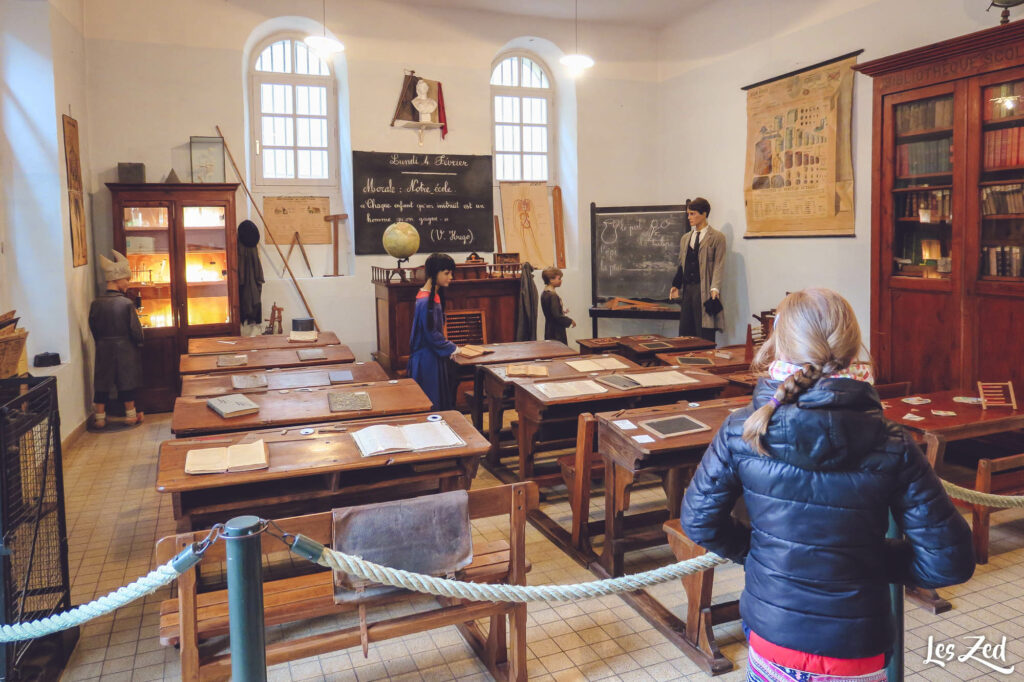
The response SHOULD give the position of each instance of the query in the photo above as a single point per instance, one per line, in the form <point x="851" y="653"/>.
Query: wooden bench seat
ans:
<point x="193" y="617"/>
<point x="1002" y="476"/>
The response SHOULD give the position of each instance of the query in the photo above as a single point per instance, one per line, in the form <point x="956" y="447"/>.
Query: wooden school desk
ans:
<point x="724" y="360"/>
<point x="300" y="406"/>
<point x="536" y="410"/>
<point x="503" y="353"/>
<point x="313" y="472"/>
<point x="643" y="351"/>
<point x="498" y="387"/>
<point x="612" y="344"/>
<point x="196" y="385"/>
<point x="215" y="345"/>
<point x="263" y="359"/>
<point x="741" y="383"/>
<point x="674" y="460"/>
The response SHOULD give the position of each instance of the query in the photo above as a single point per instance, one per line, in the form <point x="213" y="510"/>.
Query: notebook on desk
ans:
<point x="232" y="360"/>
<point x="385" y="438"/>
<point x="340" y="376"/>
<point x="238" y="457"/>
<point x="244" y="381"/>
<point x="311" y="354"/>
<point x="349" y="402"/>
<point x="232" y="405"/>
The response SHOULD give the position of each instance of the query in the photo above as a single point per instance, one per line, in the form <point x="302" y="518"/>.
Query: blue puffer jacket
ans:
<point x="817" y="563"/>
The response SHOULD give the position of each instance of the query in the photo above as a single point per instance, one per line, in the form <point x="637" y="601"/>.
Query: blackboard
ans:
<point x="634" y="250"/>
<point x="447" y="198"/>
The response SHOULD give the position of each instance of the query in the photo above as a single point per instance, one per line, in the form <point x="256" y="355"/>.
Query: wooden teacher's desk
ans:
<point x="264" y="359"/>
<point x="498" y="386"/>
<point x="503" y="353"/>
<point x="535" y="408"/>
<point x="722" y="360"/>
<point x="313" y="472"/>
<point x="215" y="345"/>
<point x="204" y="385"/>
<point x="300" y="406"/>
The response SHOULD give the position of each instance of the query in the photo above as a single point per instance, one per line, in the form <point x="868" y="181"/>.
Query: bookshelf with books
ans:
<point x="948" y="211"/>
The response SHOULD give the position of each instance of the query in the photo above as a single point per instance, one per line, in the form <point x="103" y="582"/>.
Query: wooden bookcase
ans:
<point x="947" y="290"/>
<point x="180" y="242"/>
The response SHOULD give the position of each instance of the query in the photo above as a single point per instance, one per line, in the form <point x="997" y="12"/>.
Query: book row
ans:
<point x="923" y="158"/>
<point x="1002" y="199"/>
<point x="1003" y="148"/>
<point x="1001" y="261"/>
<point x="933" y="206"/>
<point x="997" y="105"/>
<point x="933" y="113"/>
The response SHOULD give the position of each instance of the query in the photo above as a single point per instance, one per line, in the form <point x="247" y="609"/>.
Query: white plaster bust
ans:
<point x="423" y="104"/>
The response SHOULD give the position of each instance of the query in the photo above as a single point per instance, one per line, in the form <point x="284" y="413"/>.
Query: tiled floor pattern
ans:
<point x="115" y="516"/>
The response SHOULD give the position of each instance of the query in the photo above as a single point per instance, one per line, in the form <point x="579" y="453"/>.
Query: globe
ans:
<point x="401" y="240"/>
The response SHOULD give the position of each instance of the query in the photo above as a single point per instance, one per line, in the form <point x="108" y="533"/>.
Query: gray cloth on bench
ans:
<point x="429" y="535"/>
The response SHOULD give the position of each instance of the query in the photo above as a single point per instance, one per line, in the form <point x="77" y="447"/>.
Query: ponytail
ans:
<point x="430" y="305"/>
<point x="436" y="263"/>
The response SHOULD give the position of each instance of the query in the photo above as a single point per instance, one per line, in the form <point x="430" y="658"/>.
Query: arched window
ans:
<point x="521" y="108"/>
<point x="294" y="118"/>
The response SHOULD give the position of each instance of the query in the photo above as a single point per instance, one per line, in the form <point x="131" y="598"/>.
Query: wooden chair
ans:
<point x="465" y="326"/>
<point x="900" y="389"/>
<point x="194" y="617"/>
<point x="1002" y="476"/>
<point x="701" y="614"/>
<point x="578" y="469"/>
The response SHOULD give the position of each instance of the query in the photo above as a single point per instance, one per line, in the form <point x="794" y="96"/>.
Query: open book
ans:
<point x="628" y="381"/>
<point x="302" y="337"/>
<point x="596" y="365"/>
<point x="471" y="351"/>
<point x="238" y="457"/>
<point x="526" y="371"/>
<point x="383" y="438"/>
<point x="233" y="405"/>
<point x="570" y="389"/>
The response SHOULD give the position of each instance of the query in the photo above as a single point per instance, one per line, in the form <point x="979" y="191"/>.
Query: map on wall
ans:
<point x="799" y="169"/>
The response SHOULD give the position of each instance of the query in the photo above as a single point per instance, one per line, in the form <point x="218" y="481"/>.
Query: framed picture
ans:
<point x="207" y="155"/>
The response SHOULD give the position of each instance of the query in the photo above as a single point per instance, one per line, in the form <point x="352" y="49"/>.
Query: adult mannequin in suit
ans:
<point x="698" y="278"/>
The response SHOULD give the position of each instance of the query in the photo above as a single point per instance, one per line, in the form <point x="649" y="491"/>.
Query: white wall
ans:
<point x="159" y="72"/>
<point x="704" y="62"/>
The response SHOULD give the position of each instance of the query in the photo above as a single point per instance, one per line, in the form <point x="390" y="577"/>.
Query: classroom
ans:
<point x="545" y="293"/>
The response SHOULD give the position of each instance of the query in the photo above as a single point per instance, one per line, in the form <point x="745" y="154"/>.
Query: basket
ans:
<point x="11" y="347"/>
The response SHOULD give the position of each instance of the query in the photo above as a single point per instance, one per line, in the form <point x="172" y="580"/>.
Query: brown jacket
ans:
<point x="711" y="257"/>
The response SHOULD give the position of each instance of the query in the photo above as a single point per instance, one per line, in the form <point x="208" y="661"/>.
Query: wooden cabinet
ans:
<point x="947" y="287"/>
<point x="180" y="243"/>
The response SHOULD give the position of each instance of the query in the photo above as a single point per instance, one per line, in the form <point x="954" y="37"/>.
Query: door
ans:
<point x="205" y="261"/>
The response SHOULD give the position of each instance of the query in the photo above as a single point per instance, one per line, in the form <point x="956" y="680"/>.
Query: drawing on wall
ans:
<point x="305" y="215"/>
<point x="76" y="207"/>
<point x="799" y="168"/>
<point x="527" y="221"/>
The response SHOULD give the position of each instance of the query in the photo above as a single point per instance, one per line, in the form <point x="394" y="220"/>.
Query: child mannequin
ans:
<point x="820" y="470"/>
<point x="428" y="348"/>
<point x="115" y="327"/>
<point x="556" y="318"/>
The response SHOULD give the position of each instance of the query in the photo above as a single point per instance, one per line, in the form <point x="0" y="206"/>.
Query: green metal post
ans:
<point x="245" y="599"/>
<point x="894" y="671"/>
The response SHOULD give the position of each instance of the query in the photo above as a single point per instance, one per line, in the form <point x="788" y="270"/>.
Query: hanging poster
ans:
<point x="305" y="215"/>
<point x="76" y="207"/>
<point x="799" y="169"/>
<point x="526" y="218"/>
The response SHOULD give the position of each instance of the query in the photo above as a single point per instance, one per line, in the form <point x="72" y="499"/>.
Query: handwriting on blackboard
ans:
<point x="446" y="197"/>
<point x="635" y="250"/>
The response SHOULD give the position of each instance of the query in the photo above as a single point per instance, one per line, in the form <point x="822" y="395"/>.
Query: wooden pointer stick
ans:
<point x="334" y="220"/>
<point x="497" y="235"/>
<point x="556" y="203"/>
<point x="241" y="180"/>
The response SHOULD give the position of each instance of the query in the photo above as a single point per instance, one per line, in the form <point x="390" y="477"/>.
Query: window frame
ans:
<point x="255" y="80"/>
<point x="521" y="91"/>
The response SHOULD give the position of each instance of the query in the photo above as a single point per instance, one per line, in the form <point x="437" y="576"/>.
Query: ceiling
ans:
<point x="651" y="14"/>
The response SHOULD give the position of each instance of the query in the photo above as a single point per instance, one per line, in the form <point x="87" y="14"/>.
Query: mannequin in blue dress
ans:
<point x="428" y="348"/>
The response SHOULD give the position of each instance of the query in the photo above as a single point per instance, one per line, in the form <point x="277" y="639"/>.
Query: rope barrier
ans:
<point x="441" y="587"/>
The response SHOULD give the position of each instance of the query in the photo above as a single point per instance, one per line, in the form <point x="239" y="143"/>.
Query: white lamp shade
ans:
<point x="324" y="46"/>
<point x="577" y="63"/>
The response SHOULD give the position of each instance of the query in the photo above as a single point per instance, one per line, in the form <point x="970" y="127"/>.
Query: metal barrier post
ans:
<point x="245" y="599"/>
<point x="894" y="671"/>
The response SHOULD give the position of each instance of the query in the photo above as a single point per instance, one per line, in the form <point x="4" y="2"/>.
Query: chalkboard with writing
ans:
<point x="447" y="198"/>
<point x="635" y="250"/>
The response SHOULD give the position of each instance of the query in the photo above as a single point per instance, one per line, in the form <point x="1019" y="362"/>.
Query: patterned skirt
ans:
<point x="760" y="669"/>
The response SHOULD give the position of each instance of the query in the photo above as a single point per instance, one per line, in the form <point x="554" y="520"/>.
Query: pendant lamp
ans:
<point x="577" y="63"/>
<point x="324" y="47"/>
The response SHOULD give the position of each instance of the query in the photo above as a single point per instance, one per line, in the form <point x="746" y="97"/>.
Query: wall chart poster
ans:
<point x="799" y="170"/>
<point x="76" y="206"/>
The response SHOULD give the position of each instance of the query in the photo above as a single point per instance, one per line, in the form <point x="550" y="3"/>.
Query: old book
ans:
<point x="238" y="457"/>
<point x="596" y="364"/>
<point x="232" y="405"/>
<point x="384" y="438"/>
<point x="526" y="371"/>
<point x="570" y="389"/>
<point x="311" y="354"/>
<point x="340" y="376"/>
<point x="243" y="381"/>
<point x="349" y="402"/>
<point x="232" y="360"/>
<point x="302" y="337"/>
<point x="471" y="351"/>
<point x="670" y="378"/>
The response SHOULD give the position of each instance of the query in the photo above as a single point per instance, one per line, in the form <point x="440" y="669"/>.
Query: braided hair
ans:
<point x="815" y="329"/>
<point x="436" y="263"/>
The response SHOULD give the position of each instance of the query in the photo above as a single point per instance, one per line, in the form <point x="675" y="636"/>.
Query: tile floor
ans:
<point x="115" y="516"/>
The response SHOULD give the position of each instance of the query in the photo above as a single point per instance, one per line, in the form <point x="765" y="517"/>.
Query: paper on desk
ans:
<point x="569" y="389"/>
<point x="911" y="417"/>
<point x="944" y="413"/>
<point x="669" y="378"/>
<point x="969" y="399"/>
<point x="624" y="424"/>
<point x="916" y="400"/>
<point x="643" y="439"/>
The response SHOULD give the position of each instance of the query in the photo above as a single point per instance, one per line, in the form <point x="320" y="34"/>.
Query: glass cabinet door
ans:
<point x="1002" y="182"/>
<point x="206" y="265"/>
<point x="923" y="188"/>
<point x="147" y="246"/>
